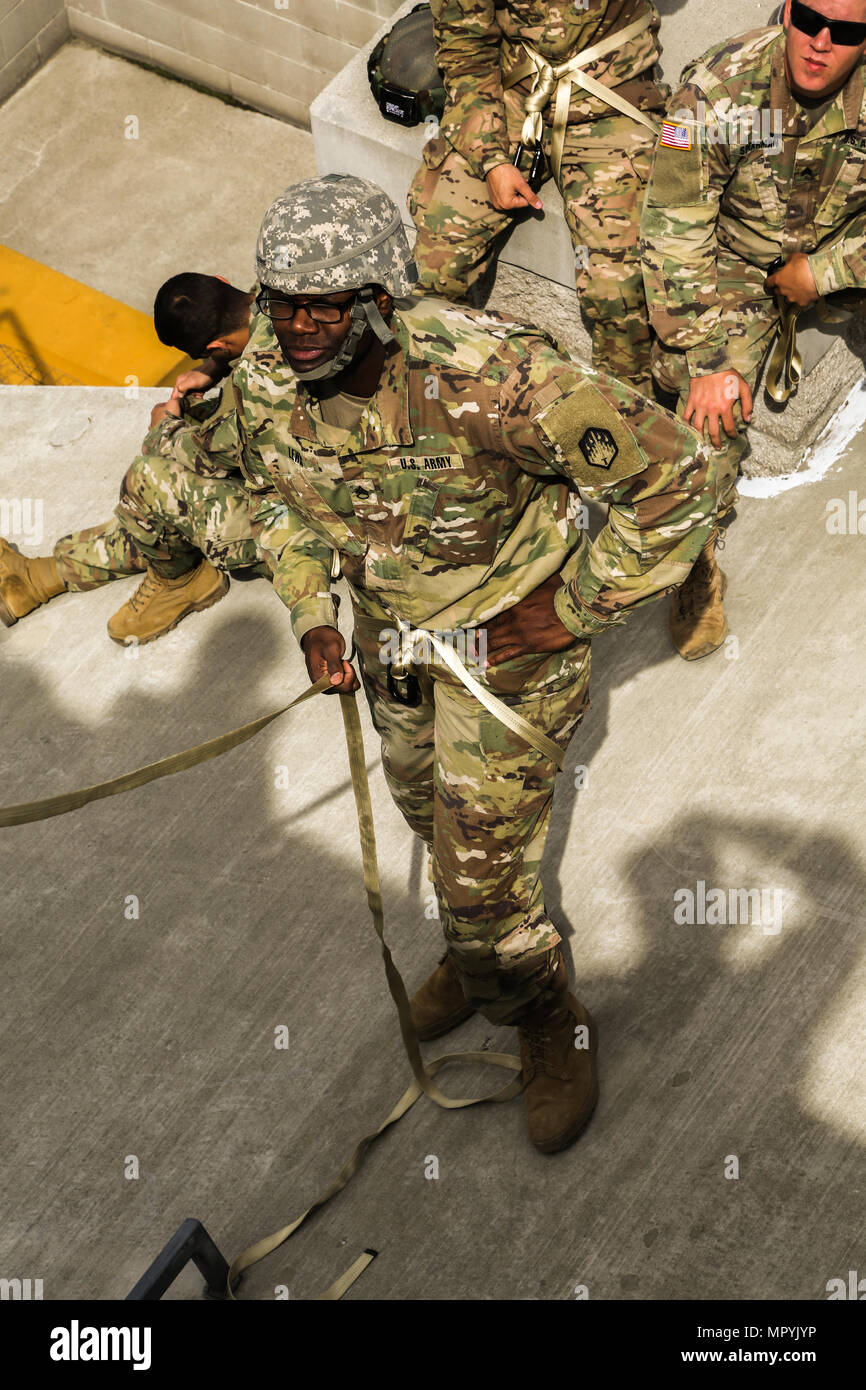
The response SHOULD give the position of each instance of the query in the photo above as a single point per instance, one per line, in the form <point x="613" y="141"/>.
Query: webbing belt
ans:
<point x="423" y="1073"/>
<point x="507" y="716"/>
<point x="561" y="78"/>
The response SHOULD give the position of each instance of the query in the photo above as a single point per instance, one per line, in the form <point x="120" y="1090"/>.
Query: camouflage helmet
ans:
<point x="337" y="233"/>
<point x="334" y="233"/>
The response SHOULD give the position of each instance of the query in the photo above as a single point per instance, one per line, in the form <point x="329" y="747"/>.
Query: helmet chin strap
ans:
<point x="364" y="314"/>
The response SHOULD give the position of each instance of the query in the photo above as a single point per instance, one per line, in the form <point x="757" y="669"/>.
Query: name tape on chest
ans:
<point x="426" y="463"/>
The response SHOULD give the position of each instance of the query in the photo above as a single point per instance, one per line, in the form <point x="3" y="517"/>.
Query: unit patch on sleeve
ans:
<point x="586" y="430"/>
<point x="598" y="447"/>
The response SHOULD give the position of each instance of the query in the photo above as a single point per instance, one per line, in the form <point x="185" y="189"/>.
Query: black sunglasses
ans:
<point x="842" y="31"/>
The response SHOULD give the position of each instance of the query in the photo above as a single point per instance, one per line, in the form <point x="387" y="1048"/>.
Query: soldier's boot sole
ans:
<point x="197" y="606"/>
<point x="581" y="1118"/>
<point x="440" y="1004"/>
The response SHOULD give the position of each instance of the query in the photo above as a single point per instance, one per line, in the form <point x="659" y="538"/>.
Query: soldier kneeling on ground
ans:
<point x="206" y="317"/>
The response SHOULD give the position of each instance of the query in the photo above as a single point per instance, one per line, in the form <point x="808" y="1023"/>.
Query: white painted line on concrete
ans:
<point x="828" y="449"/>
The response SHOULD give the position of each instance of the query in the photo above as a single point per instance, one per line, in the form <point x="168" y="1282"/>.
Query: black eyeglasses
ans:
<point x="320" y="310"/>
<point x="842" y="31"/>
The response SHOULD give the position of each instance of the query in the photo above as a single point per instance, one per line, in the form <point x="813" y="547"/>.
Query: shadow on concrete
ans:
<point x="154" y="1037"/>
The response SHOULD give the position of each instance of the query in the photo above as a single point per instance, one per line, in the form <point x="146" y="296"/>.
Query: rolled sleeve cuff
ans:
<point x="829" y="269"/>
<point x="493" y="161"/>
<point x="318" y="611"/>
<point x="574" y="614"/>
<point x="162" y="431"/>
<point x="708" y="358"/>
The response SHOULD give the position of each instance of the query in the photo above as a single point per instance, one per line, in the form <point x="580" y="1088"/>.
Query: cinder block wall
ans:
<point x="276" y="55"/>
<point x="30" y="30"/>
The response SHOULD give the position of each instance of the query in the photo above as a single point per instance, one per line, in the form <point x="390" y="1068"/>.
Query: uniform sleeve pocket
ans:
<point x="847" y="194"/>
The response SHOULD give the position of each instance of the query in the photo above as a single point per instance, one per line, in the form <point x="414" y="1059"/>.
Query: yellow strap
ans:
<point x="785" y="367"/>
<point x="564" y="76"/>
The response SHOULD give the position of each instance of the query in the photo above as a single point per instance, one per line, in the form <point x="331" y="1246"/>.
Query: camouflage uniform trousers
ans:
<point x="174" y="516"/>
<point x="751" y="319"/>
<point x="480" y="798"/>
<point x="87" y="559"/>
<point x="605" y="168"/>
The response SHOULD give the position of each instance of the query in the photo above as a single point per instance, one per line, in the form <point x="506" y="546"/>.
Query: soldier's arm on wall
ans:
<point x="678" y="233"/>
<point x="205" y="440"/>
<point x="841" y="265"/>
<point x="616" y="447"/>
<point x="468" y="41"/>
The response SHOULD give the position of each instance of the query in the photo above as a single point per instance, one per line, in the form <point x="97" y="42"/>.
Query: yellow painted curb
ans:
<point x="54" y="331"/>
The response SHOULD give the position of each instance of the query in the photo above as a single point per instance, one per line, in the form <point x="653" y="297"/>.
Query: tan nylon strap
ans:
<point x="512" y="720"/>
<point x="785" y="367"/>
<point x="50" y="806"/>
<point x="562" y="76"/>
<point x="423" y="1074"/>
<point x="423" y="1082"/>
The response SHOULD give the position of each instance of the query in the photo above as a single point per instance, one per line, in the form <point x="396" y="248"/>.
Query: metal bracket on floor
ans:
<point x="189" y="1242"/>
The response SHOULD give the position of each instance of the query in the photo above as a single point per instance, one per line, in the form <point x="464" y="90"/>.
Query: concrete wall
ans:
<point x="30" y="31"/>
<point x="275" y="55"/>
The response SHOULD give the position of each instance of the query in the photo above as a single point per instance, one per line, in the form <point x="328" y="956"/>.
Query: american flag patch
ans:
<point x="676" y="137"/>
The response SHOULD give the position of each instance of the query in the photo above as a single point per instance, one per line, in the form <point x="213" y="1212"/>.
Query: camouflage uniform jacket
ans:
<point x="479" y="40"/>
<point x="456" y="494"/>
<point x="203" y="438"/>
<point x="732" y="183"/>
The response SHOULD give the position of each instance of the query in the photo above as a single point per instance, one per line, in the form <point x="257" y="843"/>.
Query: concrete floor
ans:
<point x="121" y="214"/>
<point x="154" y="1036"/>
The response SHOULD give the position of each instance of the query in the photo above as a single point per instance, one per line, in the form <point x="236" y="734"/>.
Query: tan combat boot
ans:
<point x="560" y="1079"/>
<point x="159" y="604"/>
<point x="440" y="1004"/>
<point x="696" y="618"/>
<point x="25" y="583"/>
